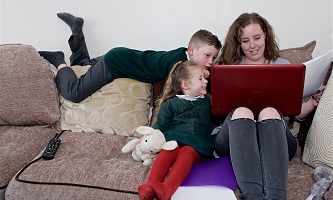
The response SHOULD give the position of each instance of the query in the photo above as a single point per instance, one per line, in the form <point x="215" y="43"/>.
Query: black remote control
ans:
<point x="51" y="149"/>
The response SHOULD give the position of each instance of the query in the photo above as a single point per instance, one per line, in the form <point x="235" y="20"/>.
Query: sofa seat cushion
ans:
<point x="29" y="95"/>
<point x="300" y="179"/>
<point x="89" y="161"/>
<point x="329" y="193"/>
<point x="19" y="190"/>
<point x="19" y="145"/>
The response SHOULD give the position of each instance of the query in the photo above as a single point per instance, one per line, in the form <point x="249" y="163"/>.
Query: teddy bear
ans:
<point x="146" y="148"/>
<point x="324" y="179"/>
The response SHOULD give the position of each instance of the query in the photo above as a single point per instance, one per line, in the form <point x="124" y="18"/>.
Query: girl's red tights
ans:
<point x="180" y="160"/>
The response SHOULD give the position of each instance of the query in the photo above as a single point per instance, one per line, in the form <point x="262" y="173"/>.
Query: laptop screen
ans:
<point x="256" y="87"/>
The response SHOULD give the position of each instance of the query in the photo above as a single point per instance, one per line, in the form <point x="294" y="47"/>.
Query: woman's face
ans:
<point x="253" y="44"/>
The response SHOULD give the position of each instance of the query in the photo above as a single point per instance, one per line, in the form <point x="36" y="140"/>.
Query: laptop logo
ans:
<point x="257" y="92"/>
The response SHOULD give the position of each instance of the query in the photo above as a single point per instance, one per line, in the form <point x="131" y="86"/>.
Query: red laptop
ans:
<point x="257" y="86"/>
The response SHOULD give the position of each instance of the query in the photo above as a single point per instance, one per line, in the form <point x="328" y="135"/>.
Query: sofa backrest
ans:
<point x="28" y="93"/>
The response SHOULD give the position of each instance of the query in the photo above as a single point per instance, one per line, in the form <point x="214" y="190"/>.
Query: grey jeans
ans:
<point x="260" y="152"/>
<point x="77" y="89"/>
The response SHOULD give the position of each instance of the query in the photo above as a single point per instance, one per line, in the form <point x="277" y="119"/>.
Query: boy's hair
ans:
<point x="204" y="37"/>
<point x="179" y="72"/>
<point x="232" y="53"/>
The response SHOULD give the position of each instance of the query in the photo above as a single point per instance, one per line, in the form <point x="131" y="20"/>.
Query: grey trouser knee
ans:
<point x="77" y="89"/>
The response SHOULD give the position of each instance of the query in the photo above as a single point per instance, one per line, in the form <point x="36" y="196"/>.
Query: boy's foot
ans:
<point x="75" y="23"/>
<point x="56" y="58"/>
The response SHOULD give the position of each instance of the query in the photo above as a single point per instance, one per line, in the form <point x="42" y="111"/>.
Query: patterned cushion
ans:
<point x="29" y="95"/>
<point x="117" y="108"/>
<point x="319" y="143"/>
<point x="299" y="54"/>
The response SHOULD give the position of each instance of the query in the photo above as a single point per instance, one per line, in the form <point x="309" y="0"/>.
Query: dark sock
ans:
<point x="75" y="23"/>
<point x="55" y="58"/>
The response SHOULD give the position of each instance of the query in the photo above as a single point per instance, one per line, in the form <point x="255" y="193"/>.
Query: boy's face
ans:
<point x="203" y="55"/>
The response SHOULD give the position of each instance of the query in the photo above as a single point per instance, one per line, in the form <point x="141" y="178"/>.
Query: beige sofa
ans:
<point x="89" y="163"/>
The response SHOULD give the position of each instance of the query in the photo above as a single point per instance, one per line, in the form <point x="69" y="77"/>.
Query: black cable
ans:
<point x="68" y="184"/>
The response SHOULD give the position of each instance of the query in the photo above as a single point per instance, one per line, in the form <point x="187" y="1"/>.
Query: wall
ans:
<point x="159" y="24"/>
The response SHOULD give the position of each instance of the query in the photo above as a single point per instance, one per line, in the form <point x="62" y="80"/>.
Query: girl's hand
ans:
<point x="206" y="73"/>
<point x="316" y="97"/>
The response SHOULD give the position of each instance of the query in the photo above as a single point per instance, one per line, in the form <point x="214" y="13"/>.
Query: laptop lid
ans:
<point x="257" y="86"/>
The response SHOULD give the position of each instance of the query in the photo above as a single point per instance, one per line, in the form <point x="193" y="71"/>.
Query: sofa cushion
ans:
<point x="298" y="54"/>
<point x="86" y="166"/>
<point x="19" y="145"/>
<point x="29" y="95"/>
<point x="117" y="108"/>
<point x="319" y="142"/>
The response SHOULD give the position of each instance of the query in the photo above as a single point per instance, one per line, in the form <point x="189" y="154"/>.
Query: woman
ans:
<point x="260" y="145"/>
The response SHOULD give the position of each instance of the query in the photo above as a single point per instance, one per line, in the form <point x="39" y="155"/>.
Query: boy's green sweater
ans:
<point x="146" y="66"/>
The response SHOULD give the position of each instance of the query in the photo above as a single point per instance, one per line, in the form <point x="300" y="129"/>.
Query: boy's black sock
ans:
<point x="55" y="58"/>
<point x="75" y="23"/>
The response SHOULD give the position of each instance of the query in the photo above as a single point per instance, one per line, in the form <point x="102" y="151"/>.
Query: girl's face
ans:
<point x="196" y="86"/>
<point x="253" y="44"/>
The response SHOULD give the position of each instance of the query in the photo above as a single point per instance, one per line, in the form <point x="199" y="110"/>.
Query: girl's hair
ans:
<point x="232" y="53"/>
<point x="173" y="85"/>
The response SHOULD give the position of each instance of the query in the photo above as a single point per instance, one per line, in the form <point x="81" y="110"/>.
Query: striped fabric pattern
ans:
<point x="318" y="150"/>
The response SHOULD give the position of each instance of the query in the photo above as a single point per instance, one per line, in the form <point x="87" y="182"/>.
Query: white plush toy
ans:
<point x="145" y="149"/>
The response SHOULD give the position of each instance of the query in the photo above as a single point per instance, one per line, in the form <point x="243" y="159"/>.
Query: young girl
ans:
<point x="183" y="114"/>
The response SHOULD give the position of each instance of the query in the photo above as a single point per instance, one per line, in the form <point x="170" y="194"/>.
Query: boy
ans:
<point x="146" y="66"/>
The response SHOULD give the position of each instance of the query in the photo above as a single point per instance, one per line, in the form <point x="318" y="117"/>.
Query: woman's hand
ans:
<point x="316" y="97"/>
<point x="311" y="104"/>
